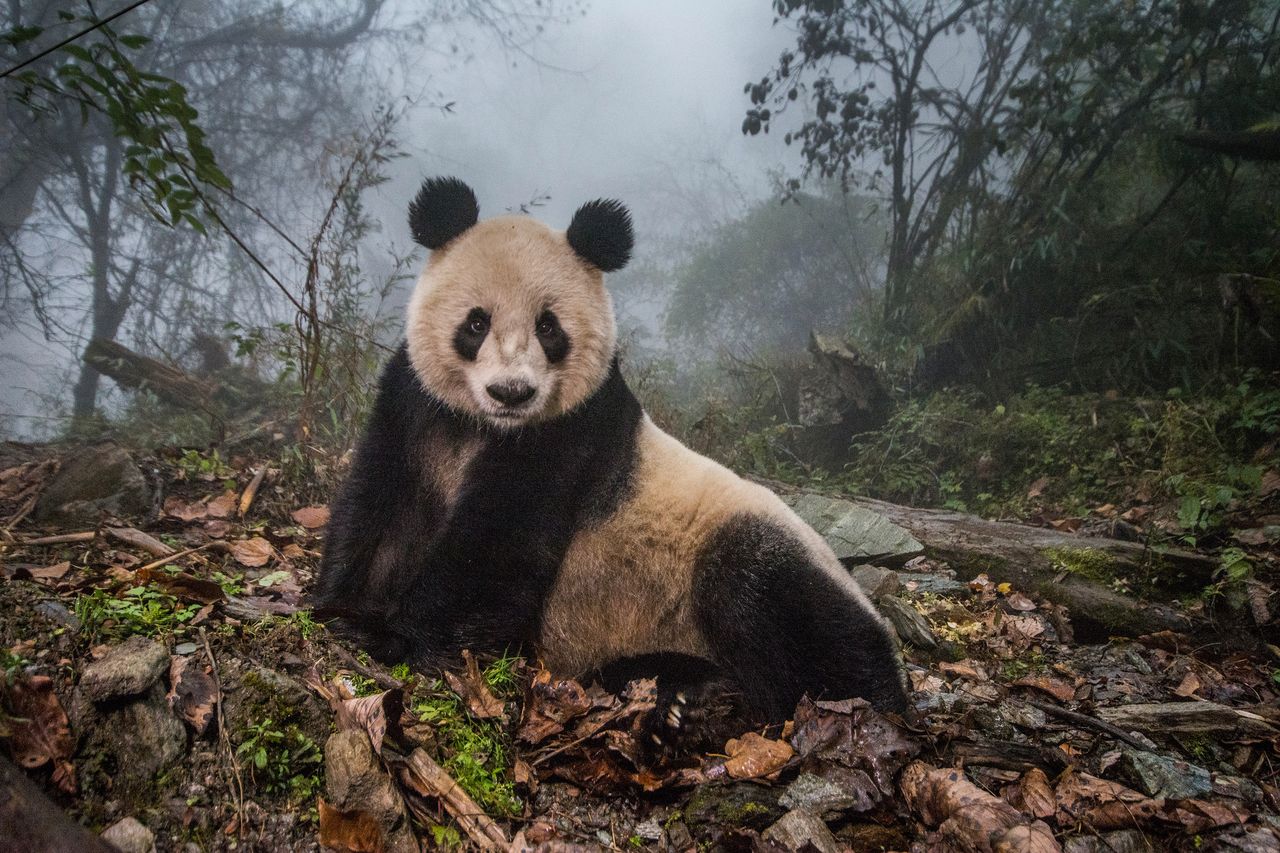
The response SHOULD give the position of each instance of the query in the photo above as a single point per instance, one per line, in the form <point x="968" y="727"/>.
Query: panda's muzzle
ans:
<point x="512" y="393"/>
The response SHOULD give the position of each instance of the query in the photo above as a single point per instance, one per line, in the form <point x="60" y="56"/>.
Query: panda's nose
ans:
<point x="511" y="393"/>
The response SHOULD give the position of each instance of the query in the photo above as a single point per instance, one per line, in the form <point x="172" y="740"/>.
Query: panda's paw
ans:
<point x="683" y="723"/>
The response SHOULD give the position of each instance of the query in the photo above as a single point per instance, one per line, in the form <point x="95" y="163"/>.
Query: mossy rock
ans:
<point x="740" y="805"/>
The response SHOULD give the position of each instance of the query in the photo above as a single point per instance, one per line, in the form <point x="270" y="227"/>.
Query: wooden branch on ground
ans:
<point x="429" y="779"/>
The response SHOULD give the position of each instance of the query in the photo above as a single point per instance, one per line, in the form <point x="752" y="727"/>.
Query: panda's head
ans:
<point x="510" y="320"/>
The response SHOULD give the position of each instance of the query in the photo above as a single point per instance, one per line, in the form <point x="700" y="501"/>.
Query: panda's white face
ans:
<point x="507" y="323"/>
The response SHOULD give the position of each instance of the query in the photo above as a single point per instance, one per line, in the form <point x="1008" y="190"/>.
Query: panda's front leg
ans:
<point x="785" y="625"/>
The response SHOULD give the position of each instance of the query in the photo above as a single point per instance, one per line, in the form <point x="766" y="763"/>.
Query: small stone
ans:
<point x="127" y="670"/>
<point x="816" y="795"/>
<point x="57" y="612"/>
<point x="184" y="648"/>
<point x="938" y="584"/>
<point x="649" y="830"/>
<point x="356" y="781"/>
<point x="912" y="628"/>
<point x="1162" y="776"/>
<point x="128" y="835"/>
<point x="797" y="828"/>
<point x="875" y="581"/>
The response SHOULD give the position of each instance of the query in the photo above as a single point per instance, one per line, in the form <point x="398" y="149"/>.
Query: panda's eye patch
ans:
<point x="471" y="334"/>
<point x="554" y="342"/>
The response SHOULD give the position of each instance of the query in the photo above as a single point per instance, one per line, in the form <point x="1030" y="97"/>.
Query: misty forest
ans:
<point x="986" y="291"/>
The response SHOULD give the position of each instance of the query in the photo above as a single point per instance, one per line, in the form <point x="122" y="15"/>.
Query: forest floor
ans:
<point x="163" y="682"/>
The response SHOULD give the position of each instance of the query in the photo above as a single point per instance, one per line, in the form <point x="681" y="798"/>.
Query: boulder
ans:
<point x="100" y="481"/>
<point x="855" y="533"/>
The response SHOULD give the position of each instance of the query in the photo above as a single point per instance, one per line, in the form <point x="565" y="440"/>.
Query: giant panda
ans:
<point x="510" y="492"/>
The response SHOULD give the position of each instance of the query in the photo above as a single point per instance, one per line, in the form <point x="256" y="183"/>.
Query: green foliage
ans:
<point x="195" y="465"/>
<point x="476" y="753"/>
<point x="144" y="610"/>
<point x="950" y="449"/>
<point x="1046" y="222"/>
<point x="166" y="160"/>
<point x="282" y="760"/>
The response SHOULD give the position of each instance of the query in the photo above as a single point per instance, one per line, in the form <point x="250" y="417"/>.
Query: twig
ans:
<point x="23" y="512"/>
<point x="1088" y="722"/>
<point x="155" y="564"/>
<point x="61" y="538"/>
<point x="136" y="538"/>
<point x="429" y="779"/>
<point x="382" y="679"/>
<point x="225" y="738"/>
<point x="251" y="491"/>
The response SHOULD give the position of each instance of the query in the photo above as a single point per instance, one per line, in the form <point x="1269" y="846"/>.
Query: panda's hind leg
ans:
<point x="783" y="627"/>
<point x="697" y="705"/>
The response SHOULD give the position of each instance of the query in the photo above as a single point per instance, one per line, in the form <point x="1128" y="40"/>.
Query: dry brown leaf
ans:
<point x="370" y="714"/>
<point x="475" y="693"/>
<point x="854" y="736"/>
<point x="1033" y="794"/>
<point x="176" y="507"/>
<point x="1102" y="804"/>
<point x="183" y="585"/>
<point x="1066" y="525"/>
<point x="39" y="732"/>
<point x="311" y="517"/>
<point x="51" y="574"/>
<point x="193" y="696"/>
<point x="1019" y="601"/>
<point x="967" y="817"/>
<point x="349" y="832"/>
<point x="1270" y="482"/>
<point x="1055" y="687"/>
<point x="552" y="705"/>
<point x="253" y="552"/>
<point x="1189" y="685"/>
<point x="223" y="505"/>
<point x="1037" y="488"/>
<point x="961" y="669"/>
<point x="753" y="756"/>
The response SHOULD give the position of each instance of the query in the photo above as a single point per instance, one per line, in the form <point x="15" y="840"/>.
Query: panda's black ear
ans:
<point x="444" y="208"/>
<point x="601" y="234"/>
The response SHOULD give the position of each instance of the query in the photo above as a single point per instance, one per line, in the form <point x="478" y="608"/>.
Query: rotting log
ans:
<point x="1036" y="559"/>
<point x="139" y="372"/>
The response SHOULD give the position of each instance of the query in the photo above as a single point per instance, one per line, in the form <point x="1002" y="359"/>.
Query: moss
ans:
<point x="1088" y="563"/>
<point x="741" y="804"/>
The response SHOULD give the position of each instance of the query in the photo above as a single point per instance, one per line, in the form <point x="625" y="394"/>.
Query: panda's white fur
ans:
<point x="510" y="491"/>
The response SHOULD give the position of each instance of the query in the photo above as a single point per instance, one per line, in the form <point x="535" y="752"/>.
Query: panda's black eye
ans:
<point x="555" y="343"/>
<point x="471" y="333"/>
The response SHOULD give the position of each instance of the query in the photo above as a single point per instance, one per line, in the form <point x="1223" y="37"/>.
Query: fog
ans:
<point x="638" y="101"/>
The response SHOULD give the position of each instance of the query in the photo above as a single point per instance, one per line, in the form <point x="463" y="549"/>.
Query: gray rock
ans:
<point x="817" y="796"/>
<point x="938" y="585"/>
<point x="57" y="612"/>
<point x="1124" y="841"/>
<point x="797" y="828"/>
<point x="127" y="670"/>
<point x="911" y="626"/>
<point x="128" y="740"/>
<point x="130" y="836"/>
<point x="1159" y="775"/>
<point x="875" y="581"/>
<point x="855" y="533"/>
<point x="102" y="480"/>
<point x="356" y="781"/>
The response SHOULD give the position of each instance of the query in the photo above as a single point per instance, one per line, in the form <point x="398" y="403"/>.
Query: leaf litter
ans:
<point x="1019" y="739"/>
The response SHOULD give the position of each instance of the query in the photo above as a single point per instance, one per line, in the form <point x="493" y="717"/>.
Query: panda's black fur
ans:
<point x="452" y="533"/>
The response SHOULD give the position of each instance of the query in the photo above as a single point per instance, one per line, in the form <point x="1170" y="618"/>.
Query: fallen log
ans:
<point x="139" y="372"/>
<point x="1065" y="568"/>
